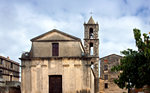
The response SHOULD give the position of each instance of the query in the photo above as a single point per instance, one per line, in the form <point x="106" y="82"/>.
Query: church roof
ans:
<point x="57" y="31"/>
<point x="91" y="21"/>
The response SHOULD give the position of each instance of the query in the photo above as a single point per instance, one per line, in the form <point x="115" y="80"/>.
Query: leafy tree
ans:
<point x="135" y="65"/>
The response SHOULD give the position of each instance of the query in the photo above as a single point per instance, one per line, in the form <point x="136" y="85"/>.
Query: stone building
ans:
<point x="59" y="63"/>
<point x="9" y="70"/>
<point x="9" y="76"/>
<point x="91" y="46"/>
<point x="101" y="85"/>
<point x="107" y="76"/>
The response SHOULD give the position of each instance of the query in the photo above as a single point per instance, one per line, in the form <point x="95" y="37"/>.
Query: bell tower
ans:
<point x="91" y="44"/>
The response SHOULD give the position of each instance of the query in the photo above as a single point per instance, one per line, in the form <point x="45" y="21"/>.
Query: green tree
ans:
<point x="135" y="65"/>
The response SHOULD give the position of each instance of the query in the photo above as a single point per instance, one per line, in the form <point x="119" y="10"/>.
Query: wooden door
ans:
<point x="55" y="84"/>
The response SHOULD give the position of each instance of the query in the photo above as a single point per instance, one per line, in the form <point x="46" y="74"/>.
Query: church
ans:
<point x="60" y="63"/>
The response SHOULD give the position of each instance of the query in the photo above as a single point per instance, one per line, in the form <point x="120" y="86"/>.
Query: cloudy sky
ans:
<point x="22" y="20"/>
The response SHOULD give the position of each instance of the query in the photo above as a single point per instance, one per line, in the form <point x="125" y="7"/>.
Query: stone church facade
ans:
<point x="59" y="63"/>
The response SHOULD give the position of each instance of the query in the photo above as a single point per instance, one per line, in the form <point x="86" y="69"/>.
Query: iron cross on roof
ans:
<point x="91" y="12"/>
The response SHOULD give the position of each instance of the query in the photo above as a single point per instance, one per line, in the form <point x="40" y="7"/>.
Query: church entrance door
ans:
<point x="55" y="84"/>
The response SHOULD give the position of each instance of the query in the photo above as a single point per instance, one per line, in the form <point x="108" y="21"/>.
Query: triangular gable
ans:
<point x="55" y="35"/>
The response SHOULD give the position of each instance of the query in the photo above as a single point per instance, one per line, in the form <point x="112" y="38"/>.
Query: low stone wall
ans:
<point x="10" y="90"/>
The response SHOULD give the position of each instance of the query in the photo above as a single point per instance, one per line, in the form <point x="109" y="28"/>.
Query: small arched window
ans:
<point x="92" y="65"/>
<point x="91" y="49"/>
<point x="91" y="35"/>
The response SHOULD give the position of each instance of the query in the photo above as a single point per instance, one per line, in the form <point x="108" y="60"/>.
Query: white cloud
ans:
<point x="21" y="20"/>
<point x="117" y="34"/>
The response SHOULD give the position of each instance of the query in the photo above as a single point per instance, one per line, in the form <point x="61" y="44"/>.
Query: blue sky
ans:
<point x="22" y="20"/>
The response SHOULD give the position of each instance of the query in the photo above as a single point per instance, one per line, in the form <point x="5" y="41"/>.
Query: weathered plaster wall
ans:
<point x="68" y="49"/>
<point x="55" y="36"/>
<point x="75" y="75"/>
<point x="92" y="86"/>
<point x="74" y="67"/>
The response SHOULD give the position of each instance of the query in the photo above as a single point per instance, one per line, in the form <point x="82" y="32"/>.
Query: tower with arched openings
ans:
<point x="91" y="45"/>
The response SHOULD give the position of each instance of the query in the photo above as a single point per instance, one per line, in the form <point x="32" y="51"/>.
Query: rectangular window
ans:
<point x="1" y="61"/>
<point x="55" y="49"/>
<point x="105" y="77"/>
<point x="11" y="65"/>
<point x="105" y="67"/>
<point x="106" y="85"/>
<point x="0" y="73"/>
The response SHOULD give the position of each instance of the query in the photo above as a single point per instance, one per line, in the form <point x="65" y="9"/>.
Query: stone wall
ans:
<point x="9" y="68"/>
<point x="91" y="46"/>
<point x="110" y="61"/>
<point x="95" y="30"/>
<point x="101" y="85"/>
